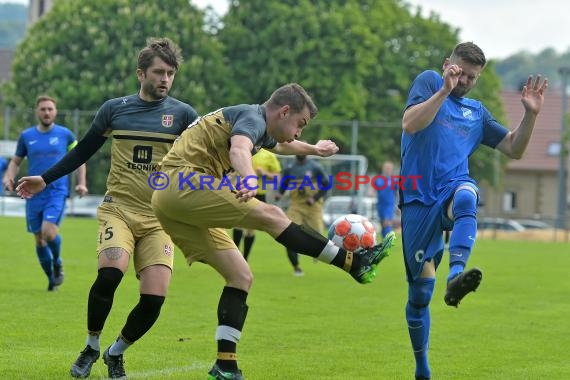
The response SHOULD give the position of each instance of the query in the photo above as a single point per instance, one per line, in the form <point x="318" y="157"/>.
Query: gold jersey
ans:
<point x="205" y="145"/>
<point x="142" y="133"/>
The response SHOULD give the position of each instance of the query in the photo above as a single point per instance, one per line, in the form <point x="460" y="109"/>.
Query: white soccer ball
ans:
<point x="353" y="232"/>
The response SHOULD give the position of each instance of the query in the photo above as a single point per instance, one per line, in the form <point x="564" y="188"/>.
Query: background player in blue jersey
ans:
<point x="441" y="129"/>
<point x="44" y="144"/>
<point x="142" y="127"/>
<point x="386" y="198"/>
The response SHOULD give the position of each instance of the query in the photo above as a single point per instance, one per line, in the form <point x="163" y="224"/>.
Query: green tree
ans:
<point x="356" y="57"/>
<point x="84" y="53"/>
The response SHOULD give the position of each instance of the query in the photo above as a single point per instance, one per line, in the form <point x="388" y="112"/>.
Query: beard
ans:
<point x="46" y="122"/>
<point x="460" y="91"/>
<point x="153" y="93"/>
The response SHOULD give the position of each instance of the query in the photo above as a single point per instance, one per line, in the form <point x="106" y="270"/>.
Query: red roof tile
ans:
<point x="546" y="131"/>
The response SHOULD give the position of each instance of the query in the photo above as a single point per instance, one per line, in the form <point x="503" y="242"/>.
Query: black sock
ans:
<point x="142" y="317"/>
<point x="247" y="244"/>
<point x="302" y="239"/>
<point x="293" y="258"/>
<point x="101" y="297"/>
<point x="237" y="234"/>
<point x="232" y="311"/>
<point x="306" y="241"/>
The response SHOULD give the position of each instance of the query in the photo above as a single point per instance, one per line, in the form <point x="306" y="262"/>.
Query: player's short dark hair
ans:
<point x="469" y="52"/>
<point x="164" y="48"/>
<point x="44" y="98"/>
<point x="295" y="96"/>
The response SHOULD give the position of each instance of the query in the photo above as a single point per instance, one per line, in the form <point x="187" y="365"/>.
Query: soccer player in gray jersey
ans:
<point x="143" y="127"/>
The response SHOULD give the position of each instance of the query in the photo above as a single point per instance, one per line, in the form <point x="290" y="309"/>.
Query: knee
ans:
<point x="108" y="279"/>
<point x="271" y="219"/>
<point x="420" y="292"/>
<point x="151" y="304"/>
<point x="242" y="280"/>
<point x="465" y="203"/>
<point x="49" y="235"/>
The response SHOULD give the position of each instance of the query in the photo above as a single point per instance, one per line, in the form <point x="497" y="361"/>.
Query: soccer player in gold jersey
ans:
<point x="200" y="203"/>
<point x="142" y="127"/>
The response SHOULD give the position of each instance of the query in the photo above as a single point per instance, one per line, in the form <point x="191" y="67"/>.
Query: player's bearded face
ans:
<point x="469" y="75"/>
<point x="157" y="80"/>
<point x="46" y="113"/>
<point x="156" y="88"/>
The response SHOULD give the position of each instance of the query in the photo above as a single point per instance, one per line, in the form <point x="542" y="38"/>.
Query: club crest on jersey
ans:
<point x="53" y="141"/>
<point x="167" y="120"/>
<point x="467" y="113"/>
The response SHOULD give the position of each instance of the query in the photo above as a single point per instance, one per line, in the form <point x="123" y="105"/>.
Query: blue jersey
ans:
<point x="439" y="153"/>
<point x="43" y="150"/>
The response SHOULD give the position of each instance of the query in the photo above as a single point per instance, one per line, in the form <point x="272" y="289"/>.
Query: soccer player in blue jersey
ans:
<point x="441" y="129"/>
<point x="44" y="144"/>
<point x="142" y="127"/>
<point x="386" y="198"/>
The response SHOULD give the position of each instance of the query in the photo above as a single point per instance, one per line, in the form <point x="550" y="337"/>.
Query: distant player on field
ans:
<point x="307" y="198"/>
<point x="266" y="166"/>
<point x="441" y="129"/>
<point x="44" y="144"/>
<point x="196" y="216"/>
<point x="142" y="127"/>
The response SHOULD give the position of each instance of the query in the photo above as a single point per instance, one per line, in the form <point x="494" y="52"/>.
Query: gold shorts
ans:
<point x="141" y="236"/>
<point x="197" y="219"/>
<point x="311" y="216"/>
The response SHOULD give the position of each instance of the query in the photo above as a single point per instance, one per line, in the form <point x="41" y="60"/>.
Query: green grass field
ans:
<point x="320" y="326"/>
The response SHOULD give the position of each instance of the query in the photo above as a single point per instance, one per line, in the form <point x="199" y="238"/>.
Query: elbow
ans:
<point x="516" y="155"/>
<point x="407" y="128"/>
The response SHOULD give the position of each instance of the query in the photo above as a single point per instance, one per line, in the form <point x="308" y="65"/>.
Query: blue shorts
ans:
<point x="44" y="207"/>
<point x="422" y="230"/>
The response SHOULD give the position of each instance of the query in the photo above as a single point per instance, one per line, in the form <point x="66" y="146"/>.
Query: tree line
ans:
<point x="357" y="58"/>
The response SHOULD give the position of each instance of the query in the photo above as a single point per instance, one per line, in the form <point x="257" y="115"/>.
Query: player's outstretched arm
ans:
<point x="515" y="142"/>
<point x="28" y="186"/>
<point x="323" y="148"/>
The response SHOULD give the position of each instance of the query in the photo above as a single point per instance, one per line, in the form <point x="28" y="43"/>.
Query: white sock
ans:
<point x="93" y="342"/>
<point x="119" y="347"/>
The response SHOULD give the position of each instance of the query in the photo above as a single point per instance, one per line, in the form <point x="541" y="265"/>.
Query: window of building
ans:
<point x="509" y="201"/>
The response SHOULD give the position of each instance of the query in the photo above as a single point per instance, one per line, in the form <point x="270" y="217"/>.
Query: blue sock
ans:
<point x="55" y="247"/>
<point x="464" y="231"/>
<point x="386" y="230"/>
<point x="417" y="315"/>
<point x="44" y="256"/>
<point x="455" y="270"/>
